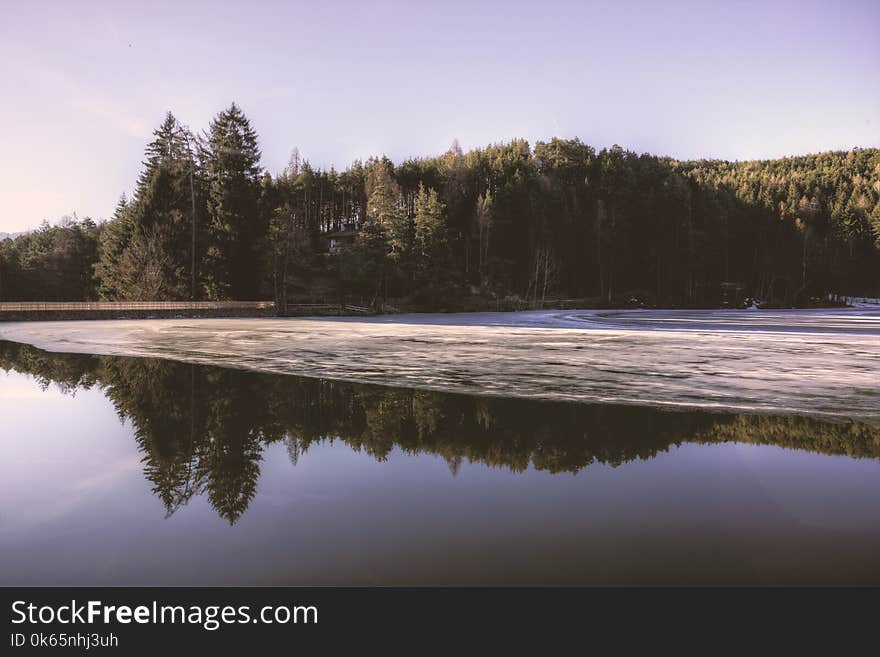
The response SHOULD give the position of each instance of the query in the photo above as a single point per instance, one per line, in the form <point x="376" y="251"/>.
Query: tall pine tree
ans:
<point x="231" y="159"/>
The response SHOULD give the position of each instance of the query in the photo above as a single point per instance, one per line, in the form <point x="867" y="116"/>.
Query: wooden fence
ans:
<point x="64" y="306"/>
<point x="48" y="310"/>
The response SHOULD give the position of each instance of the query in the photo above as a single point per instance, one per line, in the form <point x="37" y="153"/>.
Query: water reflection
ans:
<point x="202" y="429"/>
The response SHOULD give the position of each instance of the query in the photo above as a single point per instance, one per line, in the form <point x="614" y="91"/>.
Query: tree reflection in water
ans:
<point x="202" y="429"/>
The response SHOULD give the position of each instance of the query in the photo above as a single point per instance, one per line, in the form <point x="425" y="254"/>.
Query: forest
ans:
<point x="202" y="429"/>
<point x="507" y="226"/>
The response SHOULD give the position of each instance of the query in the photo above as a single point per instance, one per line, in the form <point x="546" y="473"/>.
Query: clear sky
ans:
<point x="83" y="84"/>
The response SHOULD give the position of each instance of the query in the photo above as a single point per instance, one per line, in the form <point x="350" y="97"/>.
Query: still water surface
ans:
<point x="143" y="471"/>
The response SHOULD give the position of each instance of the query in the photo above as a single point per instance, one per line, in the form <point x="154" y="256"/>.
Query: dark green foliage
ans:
<point x="434" y="264"/>
<point x="147" y="247"/>
<point x="504" y="223"/>
<point x="115" y="239"/>
<point x="52" y="263"/>
<point x="614" y="226"/>
<point x="231" y="158"/>
<point x="366" y="261"/>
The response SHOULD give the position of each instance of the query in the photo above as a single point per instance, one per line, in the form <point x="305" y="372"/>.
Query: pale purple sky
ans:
<point x="83" y="84"/>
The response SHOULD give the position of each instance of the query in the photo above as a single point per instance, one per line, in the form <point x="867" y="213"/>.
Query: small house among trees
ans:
<point x="338" y="239"/>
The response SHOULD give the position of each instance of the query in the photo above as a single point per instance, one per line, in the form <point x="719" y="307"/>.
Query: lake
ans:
<point x="124" y="470"/>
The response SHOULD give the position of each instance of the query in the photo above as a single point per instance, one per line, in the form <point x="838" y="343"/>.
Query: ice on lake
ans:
<point x="821" y="363"/>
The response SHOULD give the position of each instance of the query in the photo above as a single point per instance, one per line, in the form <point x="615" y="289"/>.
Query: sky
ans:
<point x="83" y="84"/>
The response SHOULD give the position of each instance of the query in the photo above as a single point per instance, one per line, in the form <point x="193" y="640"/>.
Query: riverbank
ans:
<point x="126" y="310"/>
<point x="118" y="310"/>
<point x="822" y="364"/>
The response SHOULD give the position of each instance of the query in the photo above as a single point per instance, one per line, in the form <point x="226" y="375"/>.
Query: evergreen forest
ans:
<point x="510" y="225"/>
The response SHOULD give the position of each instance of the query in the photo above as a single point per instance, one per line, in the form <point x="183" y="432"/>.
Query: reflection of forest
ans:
<point x="202" y="428"/>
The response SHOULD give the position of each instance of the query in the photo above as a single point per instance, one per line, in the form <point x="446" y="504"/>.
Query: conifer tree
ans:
<point x="434" y="257"/>
<point x="114" y="241"/>
<point x="231" y="157"/>
<point x="384" y="209"/>
<point x="147" y="251"/>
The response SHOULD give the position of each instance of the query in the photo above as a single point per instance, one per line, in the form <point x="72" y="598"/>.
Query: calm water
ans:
<point x="144" y="471"/>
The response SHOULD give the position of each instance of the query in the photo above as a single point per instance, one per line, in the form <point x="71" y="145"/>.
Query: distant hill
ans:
<point x="11" y="236"/>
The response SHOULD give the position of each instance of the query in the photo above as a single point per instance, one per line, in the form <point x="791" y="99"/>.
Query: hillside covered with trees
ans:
<point x="505" y="224"/>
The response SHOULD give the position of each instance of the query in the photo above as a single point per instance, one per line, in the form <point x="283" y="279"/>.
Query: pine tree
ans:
<point x="383" y="209"/>
<point x="115" y="239"/>
<point x="430" y="224"/>
<point x="231" y="158"/>
<point x="159" y="223"/>
<point x="435" y="258"/>
<point x="171" y="143"/>
<point x="484" y="228"/>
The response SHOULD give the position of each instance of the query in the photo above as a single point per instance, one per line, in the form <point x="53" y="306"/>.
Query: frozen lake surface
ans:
<point x="821" y="363"/>
<point x="140" y="471"/>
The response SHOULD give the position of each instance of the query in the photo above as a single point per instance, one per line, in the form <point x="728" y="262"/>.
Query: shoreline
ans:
<point x="98" y="311"/>
<point x="822" y="364"/>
